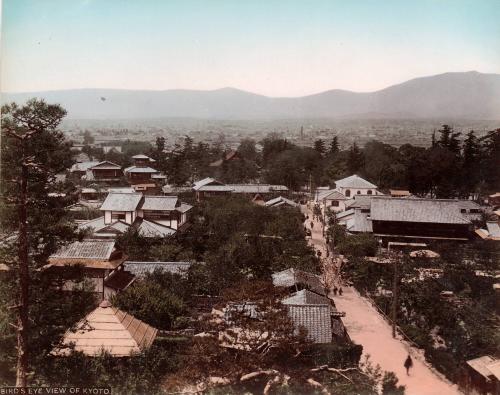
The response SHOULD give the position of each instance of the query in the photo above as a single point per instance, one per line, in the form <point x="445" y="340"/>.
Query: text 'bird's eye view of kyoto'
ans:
<point x="276" y="197"/>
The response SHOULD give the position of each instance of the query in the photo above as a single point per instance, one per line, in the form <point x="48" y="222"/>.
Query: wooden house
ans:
<point x="104" y="172"/>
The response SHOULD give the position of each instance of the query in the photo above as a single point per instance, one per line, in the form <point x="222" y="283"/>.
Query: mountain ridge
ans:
<point x="465" y="95"/>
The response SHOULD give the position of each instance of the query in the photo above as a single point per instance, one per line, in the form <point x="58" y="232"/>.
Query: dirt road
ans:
<point x="368" y="328"/>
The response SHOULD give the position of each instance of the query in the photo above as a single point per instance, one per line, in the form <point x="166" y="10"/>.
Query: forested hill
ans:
<point x="469" y="95"/>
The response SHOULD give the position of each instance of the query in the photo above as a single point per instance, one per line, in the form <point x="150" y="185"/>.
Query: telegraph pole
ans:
<point x="395" y="292"/>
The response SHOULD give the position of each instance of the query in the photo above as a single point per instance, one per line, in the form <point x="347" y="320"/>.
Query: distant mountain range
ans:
<point x="468" y="95"/>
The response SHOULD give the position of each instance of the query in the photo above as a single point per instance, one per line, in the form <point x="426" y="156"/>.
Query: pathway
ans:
<point x="367" y="327"/>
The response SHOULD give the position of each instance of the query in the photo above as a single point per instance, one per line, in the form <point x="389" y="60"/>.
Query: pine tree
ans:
<point x="471" y="166"/>
<point x="319" y="146"/>
<point x="334" y="146"/>
<point x="33" y="151"/>
<point x="356" y="159"/>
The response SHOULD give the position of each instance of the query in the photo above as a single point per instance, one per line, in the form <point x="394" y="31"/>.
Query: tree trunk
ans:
<point x="24" y="280"/>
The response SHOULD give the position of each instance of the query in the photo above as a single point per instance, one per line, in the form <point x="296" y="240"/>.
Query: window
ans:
<point x="335" y="203"/>
<point x="370" y="192"/>
<point x="463" y="210"/>
<point x="117" y="216"/>
<point x="359" y="192"/>
<point x="347" y="192"/>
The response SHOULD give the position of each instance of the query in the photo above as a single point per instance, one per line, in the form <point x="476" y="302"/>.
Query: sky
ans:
<point x="270" y="47"/>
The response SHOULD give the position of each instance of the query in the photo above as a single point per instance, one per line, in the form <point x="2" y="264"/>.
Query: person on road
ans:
<point x="340" y="291"/>
<point x="335" y="291"/>
<point x="312" y="224"/>
<point x="408" y="364"/>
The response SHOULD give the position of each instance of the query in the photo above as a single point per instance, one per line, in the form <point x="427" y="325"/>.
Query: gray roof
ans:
<point x="87" y="249"/>
<point x="153" y="229"/>
<point x="159" y="203"/>
<point x="354" y="181"/>
<point x="214" y="188"/>
<point x="138" y="169"/>
<point x="106" y="165"/>
<point x="184" y="207"/>
<point x="493" y="229"/>
<point x="121" y="190"/>
<point x="416" y="210"/>
<point x="206" y="181"/>
<point x="360" y="201"/>
<point x="291" y="277"/>
<point x="140" y="269"/>
<point x="257" y="188"/>
<point x="83" y="166"/>
<point x="121" y="201"/>
<point x="315" y="318"/>
<point x="345" y="213"/>
<point x="279" y="201"/>
<point x="359" y="223"/>
<point x="306" y="297"/>
<point x="142" y="156"/>
<point x="174" y="189"/>
<point x="330" y="194"/>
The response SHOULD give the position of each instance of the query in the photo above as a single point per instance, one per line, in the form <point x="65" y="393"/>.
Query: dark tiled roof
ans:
<point x="86" y="249"/>
<point x="316" y="319"/>
<point x="119" y="280"/>
<point x="159" y="203"/>
<point x="291" y="277"/>
<point x="417" y="210"/>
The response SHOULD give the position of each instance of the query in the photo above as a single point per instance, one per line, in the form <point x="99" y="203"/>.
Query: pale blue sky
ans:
<point x="273" y="47"/>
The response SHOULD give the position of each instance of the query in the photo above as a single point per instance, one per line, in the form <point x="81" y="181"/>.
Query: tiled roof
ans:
<point x="330" y="194"/>
<point x="306" y="297"/>
<point x="360" y="201"/>
<point x="86" y="249"/>
<point x="141" y="156"/>
<point x="290" y="277"/>
<point x="206" y="181"/>
<point x="359" y="223"/>
<point x="121" y="201"/>
<point x="119" y="280"/>
<point x="256" y="188"/>
<point x="354" y="181"/>
<point x="138" y="169"/>
<point x="148" y="228"/>
<point x="480" y="365"/>
<point x="280" y="200"/>
<point x="416" y="210"/>
<point x="159" y="203"/>
<point x="121" y="190"/>
<point x="106" y="165"/>
<point x="140" y="269"/>
<point x="214" y="188"/>
<point x="316" y="319"/>
<point x="110" y="329"/>
<point x="83" y="166"/>
<point x="184" y="207"/>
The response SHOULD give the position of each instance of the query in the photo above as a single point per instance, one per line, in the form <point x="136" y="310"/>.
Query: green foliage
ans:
<point x="390" y="385"/>
<point x="359" y="245"/>
<point x="154" y="300"/>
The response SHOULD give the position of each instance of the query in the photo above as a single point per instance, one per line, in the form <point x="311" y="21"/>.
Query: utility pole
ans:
<point x="395" y="292"/>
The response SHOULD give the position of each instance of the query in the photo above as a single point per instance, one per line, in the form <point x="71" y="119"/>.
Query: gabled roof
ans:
<point x="330" y="194"/>
<point x="315" y="318"/>
<point x="83" y="166"/>
<point x="184" y="207"/>
<point x="481" y="364"/>
<point x="140" y="269"/>
<point x="360" y="201"/>
<point x="138" y="169"/>
<point x="149" y="228"/>
<point x="291" y="277"/>
<point x="108" y="329"/>
<point x="279" y="201"/>
<point x="87" y="249"/>
<point x="354" y="181"/>
<point x="121" y="201"/>
<point x="159" y="203"/>
<point x="306" y="297"/>
<point x="359" y="223"/>
<point x="106" y="165"/>
<point x="206" y="181"/>
<point x="142" y="156"/>
<point x="119" y="280"/>
<point x="416" y="210"/>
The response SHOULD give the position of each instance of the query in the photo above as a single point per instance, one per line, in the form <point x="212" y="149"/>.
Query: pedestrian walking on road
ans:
<point x="312" y="224"/>
<point x="340" y="291"/>
<point x="408" y="364"/>
<point x="335" y="291"/>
